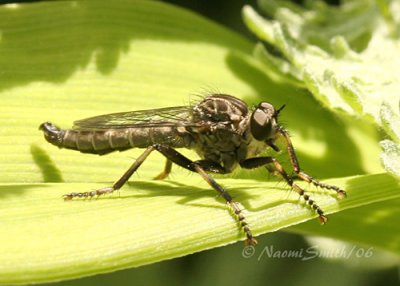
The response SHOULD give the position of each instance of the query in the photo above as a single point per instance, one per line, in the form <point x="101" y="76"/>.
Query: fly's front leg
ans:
<point x="202" y="167"/>
<point x="118" y="184"/>
<point x="341" y="194"/>
<point x="252" y="163"/>
<point x="300" y="174"/>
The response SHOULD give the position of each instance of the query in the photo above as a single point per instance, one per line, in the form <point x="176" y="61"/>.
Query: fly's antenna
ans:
<point x="280" y="109"/>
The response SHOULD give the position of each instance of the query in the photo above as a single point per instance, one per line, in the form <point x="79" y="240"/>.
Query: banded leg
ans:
<point x="252" y="163"/>
<point x="118" y="184"/>
<point x="232" y="204"/>
<point x="300" y="174"/>
<point x="201" y="167"/>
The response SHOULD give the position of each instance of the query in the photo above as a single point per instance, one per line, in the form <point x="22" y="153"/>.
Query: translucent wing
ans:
<point x="170" y="116"/>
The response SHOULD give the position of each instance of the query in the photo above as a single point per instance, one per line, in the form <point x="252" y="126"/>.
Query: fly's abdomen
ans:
<point x="106" y="141"/>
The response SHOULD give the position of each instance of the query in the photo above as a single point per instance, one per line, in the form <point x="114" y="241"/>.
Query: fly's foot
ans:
<point x="70" y="196"/>
<point x="341" y="194"/>
<point x="322" y="218"/>
<point x="250" y="241"/>
<point x="99" y="192"/>
<point x="243" y="223"/>
<point x="161" y="176"/>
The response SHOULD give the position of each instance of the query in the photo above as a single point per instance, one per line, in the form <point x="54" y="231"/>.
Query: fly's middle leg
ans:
<point x="231" y="203"/>
<point x="202" y="167"/>
<point x="167" y="170"/>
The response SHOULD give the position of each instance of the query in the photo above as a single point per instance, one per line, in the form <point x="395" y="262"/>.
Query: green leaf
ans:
<point x="62" y="61"/>
<point x="390" y="156"/>
<point x="346" y="55"/>
<point x="368" y="225"/>
<point x="48" y="239"/>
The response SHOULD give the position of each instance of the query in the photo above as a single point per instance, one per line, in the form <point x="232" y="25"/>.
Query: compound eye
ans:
<point x="262" y="121"/>
<point x="260" y="125"/>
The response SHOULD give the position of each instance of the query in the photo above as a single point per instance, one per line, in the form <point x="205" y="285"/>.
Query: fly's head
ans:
<point x="264" y="122"/>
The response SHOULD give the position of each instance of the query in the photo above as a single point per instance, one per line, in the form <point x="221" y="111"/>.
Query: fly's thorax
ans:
<point x="225" y="122"/>
<point x="254" y="147"/>
<point x="219" y="144"/>
<point x="220" y="110"/>
<point x="222" y="144"/>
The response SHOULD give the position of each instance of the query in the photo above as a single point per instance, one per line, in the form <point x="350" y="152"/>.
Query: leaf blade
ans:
<point x="146" y="215"/>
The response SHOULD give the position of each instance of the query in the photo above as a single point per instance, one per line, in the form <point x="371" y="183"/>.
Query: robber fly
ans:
<point x="222" y="129"/>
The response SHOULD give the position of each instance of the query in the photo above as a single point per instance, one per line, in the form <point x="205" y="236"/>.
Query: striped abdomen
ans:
<point x="106" y="141"/>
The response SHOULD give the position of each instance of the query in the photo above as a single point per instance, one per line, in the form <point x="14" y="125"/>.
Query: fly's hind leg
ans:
<point x="118" y="184"/>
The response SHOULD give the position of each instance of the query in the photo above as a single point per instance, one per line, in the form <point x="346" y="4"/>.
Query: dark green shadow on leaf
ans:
<point x="71" y="33"/>
<point x="50" y="172"/>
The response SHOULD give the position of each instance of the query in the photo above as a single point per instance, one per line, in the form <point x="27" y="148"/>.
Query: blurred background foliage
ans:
<point x="229" y="265"/>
